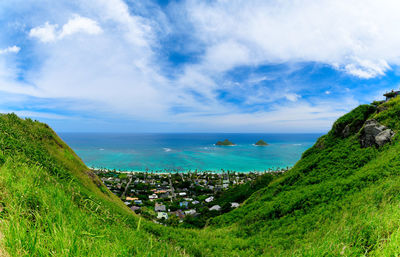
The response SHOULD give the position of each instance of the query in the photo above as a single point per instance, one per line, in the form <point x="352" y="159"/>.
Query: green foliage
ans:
<point x="354" y="119"/>
<point x="242" y="192"/>
<point x="261" y="143"/>
<point x="226" y="142"/>
<point x="390" y="116"/>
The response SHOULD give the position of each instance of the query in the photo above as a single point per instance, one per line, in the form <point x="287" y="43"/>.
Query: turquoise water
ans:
<point x="182" y="152"/>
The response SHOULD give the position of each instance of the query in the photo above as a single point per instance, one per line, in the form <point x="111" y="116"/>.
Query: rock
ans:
<point x="384" y="137"/>
<point x="375" y="134"/>
<point x="372" y="127"/>
<point x="346" y="131"/>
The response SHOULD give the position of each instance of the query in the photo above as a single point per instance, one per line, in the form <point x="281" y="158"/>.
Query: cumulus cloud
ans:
<point x="367" y="69"/>
<point x="80" y="24"/>
<point x="357" y="36"/>
<point x="292" y="97"/>
<point x="115" y="72"/>
<point x="10" y="49"/>
<point x="49" y="33"/>
<point x="45" y="33"/>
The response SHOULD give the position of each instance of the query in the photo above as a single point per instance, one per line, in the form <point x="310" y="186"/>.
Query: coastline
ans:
<point x="171" y="153"/>
<point x="278" y="170"/>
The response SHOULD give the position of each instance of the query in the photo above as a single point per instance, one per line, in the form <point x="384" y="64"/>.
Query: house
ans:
<point x="391" y="94"/>
<point x="183" y="204"/>
<point x="166" y="195"/>
<point x="215" y="208"/>
<point x="159" y="207"/>
<point x="195" y="202"/>
<point x="190" y="212"/>
<point x="182" y="194"/>
<point x="131" y="198"/>
<point x="234" y="205"/>
<point x="135" y="208"/>
<point x="209" y="199"/>
<point x="153" y="196"/>
<point x="179" y="214"/>
<point x="127" y="203"/>
<point x="139" y="202"/>
<point x="161" y="215"/>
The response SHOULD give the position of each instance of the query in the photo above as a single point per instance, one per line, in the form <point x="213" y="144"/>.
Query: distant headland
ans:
<point x="226" y="142"/>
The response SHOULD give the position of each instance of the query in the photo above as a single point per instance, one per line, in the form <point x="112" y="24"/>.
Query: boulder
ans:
<point x="375" y="134"/>
<point x="346" y="131"/>
<point x="384" y="137"/>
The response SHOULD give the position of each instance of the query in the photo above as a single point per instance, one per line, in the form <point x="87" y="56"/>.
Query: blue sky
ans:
<point x="195" y="66"/>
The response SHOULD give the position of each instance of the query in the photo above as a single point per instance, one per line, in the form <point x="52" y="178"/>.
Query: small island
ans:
<point x="226" y="142"/>
<point x="261" y="143"/>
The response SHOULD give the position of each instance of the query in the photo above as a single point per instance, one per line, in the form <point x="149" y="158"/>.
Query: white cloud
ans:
<point x="292" y="97"/>
<point x="367" y="69"/>
<point x="32" y="114"/>
<point x="49" y="33"/>
<point x="10" y="49"/>
<point x="292" y="117"/>
<point x="80" y="24"/>
<point x="115" y="72"/>
<point x="357" y="36"/>
<point x="45" y="33"/>
<point x="226" y="55"/>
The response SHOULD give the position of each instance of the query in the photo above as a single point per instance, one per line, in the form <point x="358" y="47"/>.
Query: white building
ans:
<point x="234" y="205"/>
<point x="161" y="215"/>
<point x="209" y="199"/>
<point x="153" y="196"/>
<point x="215" y="208"/>
<point x="190" y="212"/>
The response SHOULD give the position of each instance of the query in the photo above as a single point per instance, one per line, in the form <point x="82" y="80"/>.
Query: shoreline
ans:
<point x="278" y="170"/>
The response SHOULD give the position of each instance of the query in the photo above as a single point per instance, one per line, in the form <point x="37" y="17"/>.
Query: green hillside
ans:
<point x="340" y="199"/>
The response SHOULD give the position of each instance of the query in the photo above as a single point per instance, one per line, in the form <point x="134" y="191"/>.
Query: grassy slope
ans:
<point x="53" y="205"/>
<point x="339" y="199"/>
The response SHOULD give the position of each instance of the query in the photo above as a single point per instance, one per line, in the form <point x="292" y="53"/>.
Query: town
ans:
<point x="174" y="198"/>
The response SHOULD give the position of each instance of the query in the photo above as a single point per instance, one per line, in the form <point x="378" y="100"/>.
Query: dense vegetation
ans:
<point x="338" y="200"/>
<point x="226" y="142"/>
<point x="261" y="143"/>
<point x="237" y="194"/>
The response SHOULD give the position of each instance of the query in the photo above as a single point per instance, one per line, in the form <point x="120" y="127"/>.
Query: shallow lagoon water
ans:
<point x="182" y="152"/>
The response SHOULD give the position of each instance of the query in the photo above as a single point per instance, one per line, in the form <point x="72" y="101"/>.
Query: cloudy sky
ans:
<point x="195" y="65"/>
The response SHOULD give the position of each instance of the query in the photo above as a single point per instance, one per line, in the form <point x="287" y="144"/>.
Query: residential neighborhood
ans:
<point x="170" y="198"/>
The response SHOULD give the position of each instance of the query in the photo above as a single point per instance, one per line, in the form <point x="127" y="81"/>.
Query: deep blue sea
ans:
<point x="183" y="152"/>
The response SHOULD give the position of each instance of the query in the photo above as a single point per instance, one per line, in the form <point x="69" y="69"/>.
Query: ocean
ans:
<point x="183" y="152"/>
